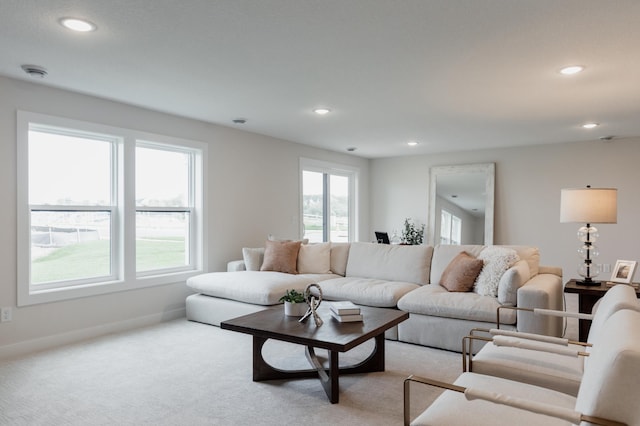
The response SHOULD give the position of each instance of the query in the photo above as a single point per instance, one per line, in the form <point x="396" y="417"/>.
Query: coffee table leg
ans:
<point x="262" y="370"/>
<point x="330" y="382"/>
<point x="375" y="361"/>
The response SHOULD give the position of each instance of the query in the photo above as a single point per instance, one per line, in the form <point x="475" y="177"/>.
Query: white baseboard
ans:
<point x="48" y="342"/>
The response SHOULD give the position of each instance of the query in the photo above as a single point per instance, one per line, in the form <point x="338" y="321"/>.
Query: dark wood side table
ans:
<point x="587" y="298"/>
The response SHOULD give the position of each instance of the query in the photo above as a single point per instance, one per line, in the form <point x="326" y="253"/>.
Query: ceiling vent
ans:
<point x="35" y="71"/>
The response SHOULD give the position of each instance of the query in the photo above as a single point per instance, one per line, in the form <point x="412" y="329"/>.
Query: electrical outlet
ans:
<point x="5" y="315"/>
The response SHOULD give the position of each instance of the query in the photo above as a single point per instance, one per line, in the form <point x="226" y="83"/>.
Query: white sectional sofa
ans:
<point x="392" y="276"/>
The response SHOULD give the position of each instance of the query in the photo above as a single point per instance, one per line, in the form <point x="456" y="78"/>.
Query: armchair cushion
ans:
<point x="453" y="409"/>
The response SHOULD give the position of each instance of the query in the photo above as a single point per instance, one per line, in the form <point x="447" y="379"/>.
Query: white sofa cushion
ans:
<point x="314" y="258"/>
<point x="435" y="300"/>
<point x="444" y="254"/>
<point x="257" y="287"/>
<point x="511" y="281"/>
<point x="390" y="262"/>
<point x="366" y="291"/>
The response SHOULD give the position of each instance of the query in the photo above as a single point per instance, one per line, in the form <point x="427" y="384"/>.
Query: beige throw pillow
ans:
<point x="281" y="256"/>
<point x="461" y="273"/>
<point x="314" y="259"/>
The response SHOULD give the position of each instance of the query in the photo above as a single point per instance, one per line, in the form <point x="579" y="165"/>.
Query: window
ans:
<point x="164" y="207"/>
<point x="328" y="201"/>
<point x="450" y="228"/>
<point x="103" y="209"/>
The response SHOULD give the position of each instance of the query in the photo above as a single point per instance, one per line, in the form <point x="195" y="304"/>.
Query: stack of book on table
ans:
<point x="345" y="311"/>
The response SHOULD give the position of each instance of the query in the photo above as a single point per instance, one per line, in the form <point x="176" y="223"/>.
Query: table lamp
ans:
<point x="588" y="205"/>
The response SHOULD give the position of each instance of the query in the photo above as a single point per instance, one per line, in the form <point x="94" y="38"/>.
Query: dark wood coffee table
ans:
<point x="333" y="336"/>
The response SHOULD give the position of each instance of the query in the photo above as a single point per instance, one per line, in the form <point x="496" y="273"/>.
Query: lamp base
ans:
<point x="588" y="282"/>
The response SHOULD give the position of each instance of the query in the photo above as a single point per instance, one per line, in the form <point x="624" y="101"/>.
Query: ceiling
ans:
<point x="450" y="74"/>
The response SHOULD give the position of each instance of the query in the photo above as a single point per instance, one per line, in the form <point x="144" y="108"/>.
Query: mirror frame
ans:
<point x="489" y="170"/>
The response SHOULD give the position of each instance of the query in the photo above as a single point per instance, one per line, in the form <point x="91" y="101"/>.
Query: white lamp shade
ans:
<point x="589" y="205"/>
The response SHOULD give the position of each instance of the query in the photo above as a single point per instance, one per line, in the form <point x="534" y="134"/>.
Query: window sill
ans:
<point x="35" y="297"/>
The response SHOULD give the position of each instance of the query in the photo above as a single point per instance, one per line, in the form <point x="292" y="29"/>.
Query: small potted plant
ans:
<point x="294" y="303"/>
<point x="412" y="234"/>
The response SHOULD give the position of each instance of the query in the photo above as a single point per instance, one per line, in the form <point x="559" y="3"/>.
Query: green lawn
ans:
<point x="91" y="259"/>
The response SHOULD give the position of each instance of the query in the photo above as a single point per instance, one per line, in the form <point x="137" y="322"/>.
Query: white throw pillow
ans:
<point x="511" y="281"/>
<point x="314" y="259"/>
<point x="496" y="262"/>
<point x="253" y="258"/>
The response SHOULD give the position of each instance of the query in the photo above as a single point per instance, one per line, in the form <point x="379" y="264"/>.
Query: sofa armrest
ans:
<point x="236" y="265"/>
<point x="555" y="270"/>
<point x="541" y="291"/>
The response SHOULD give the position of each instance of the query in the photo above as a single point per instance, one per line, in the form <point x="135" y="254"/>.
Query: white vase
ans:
<point x="295" y="309"/>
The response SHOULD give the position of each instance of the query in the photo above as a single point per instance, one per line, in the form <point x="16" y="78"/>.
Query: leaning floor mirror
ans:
<point x="461" y="199"/>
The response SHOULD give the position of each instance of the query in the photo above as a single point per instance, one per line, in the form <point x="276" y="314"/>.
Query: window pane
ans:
<point x="161" y="240"/>
<point x="339" y="204"/>
<point x="162" y="178"/>
<point x="445" y="227"/>
<point x="69" y="245"/>
<point x="456" y="230"/>
<point x="312" y="205"/>
<point x="69" y="170"/>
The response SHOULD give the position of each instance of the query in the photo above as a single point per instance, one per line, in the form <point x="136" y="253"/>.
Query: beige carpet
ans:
<point x="185" y="373"/>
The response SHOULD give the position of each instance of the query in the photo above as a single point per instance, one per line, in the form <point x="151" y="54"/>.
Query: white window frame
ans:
<point x="352" y="173"/>
<point x="190" y="208"/>
<point x="123" y="211"/>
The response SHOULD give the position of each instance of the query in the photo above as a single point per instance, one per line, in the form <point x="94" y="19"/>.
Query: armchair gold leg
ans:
<point x="467" y="351"/>
<point x="424" y="381"/>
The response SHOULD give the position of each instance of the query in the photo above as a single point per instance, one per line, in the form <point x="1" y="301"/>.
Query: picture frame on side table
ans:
<point x="623" y="271"/>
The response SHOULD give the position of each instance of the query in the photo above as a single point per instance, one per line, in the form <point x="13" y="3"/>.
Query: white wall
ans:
<point x="528" y="184"/>
<point x="253" y="190"/>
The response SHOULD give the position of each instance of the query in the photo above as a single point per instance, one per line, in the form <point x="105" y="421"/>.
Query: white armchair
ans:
<point x="608" y="393"/>
<point x="550" y="362"/>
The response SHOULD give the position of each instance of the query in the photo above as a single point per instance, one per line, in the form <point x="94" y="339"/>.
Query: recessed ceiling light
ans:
<point x="590" y="125"/>
<point x="573" y="69"/>
<point x="78" y="24"/>
<point x="35" y="71"/>
<point x="322" y="111"/>
<point x="412" y="143"/>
